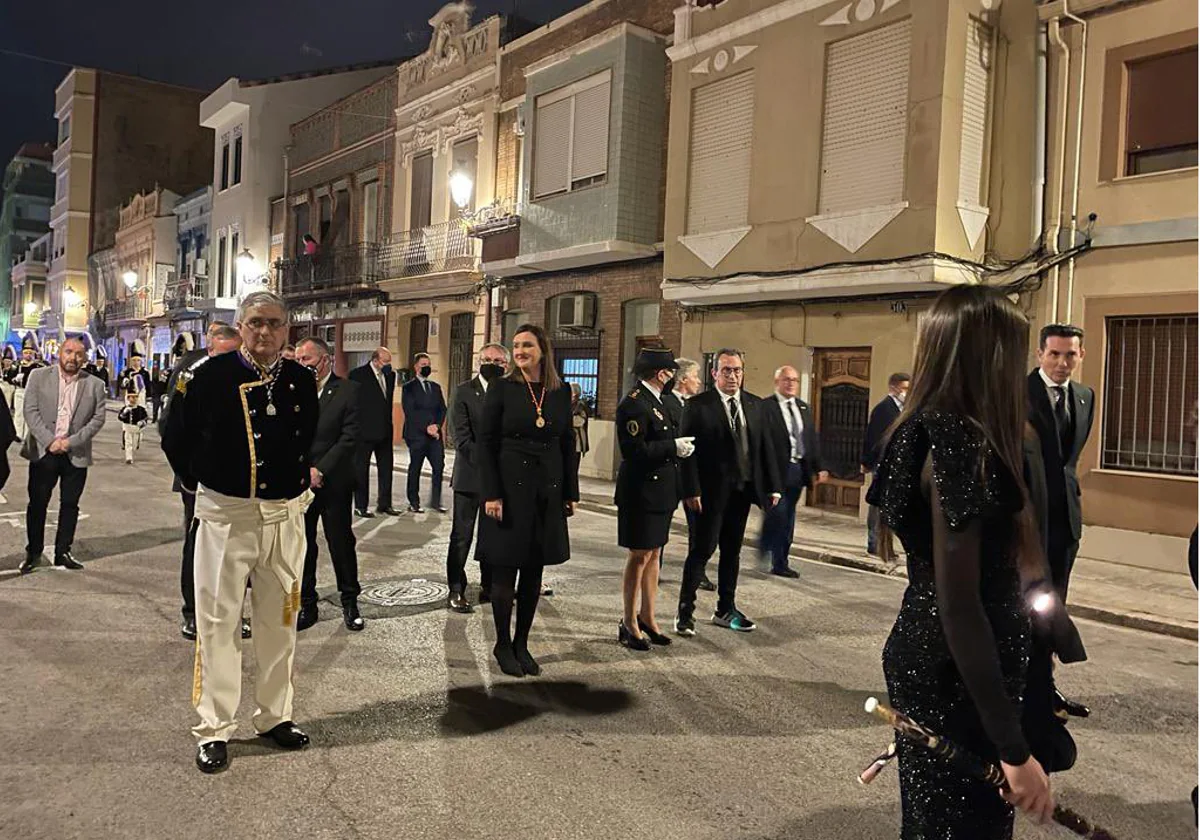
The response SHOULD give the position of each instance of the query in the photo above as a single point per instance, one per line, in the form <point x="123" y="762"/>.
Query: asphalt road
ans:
<point x="417" y="735"/>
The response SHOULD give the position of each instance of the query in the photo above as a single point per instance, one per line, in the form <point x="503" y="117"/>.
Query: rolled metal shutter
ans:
<point x="551" y="147"/>
<point x="975" y="112"/>
<point x="589" y="150"/>
<point x="721" y="143"/>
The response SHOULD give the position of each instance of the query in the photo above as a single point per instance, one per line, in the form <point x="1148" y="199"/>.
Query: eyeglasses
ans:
<point x="730" y="371"/>
<point x="789" y="379"/>
<point x="269" y="323"/>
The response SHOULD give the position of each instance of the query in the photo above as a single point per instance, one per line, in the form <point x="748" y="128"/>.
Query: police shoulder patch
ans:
<point x="633" y="428"/>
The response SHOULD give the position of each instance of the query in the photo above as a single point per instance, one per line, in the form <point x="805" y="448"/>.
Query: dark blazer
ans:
<point x="675" y="405"/>
<point x="781" y="441"/>
<point x="710" y="473"/>
<point x="183" y="363"/>
<point x="422" y="408"/>
<point x="1062" y="480"/>
<point x="466" y="418"/>
<point x="648" y="479"/>
<point x="883" y="415"/>
<point x="374" y="407"/>
<point x="337" y="434"/>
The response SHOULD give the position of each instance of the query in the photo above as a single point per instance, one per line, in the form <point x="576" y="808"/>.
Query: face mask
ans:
<point x="425" y="370"/>
<point x="385" y="370"/>
<point x="901" y="397"/>
<point x="669" y="385"/>
<point x="490" y="371"/>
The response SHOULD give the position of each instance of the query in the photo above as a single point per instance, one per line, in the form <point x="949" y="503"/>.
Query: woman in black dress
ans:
<point x="529" y="486"/>
<point x="950" y="486"/>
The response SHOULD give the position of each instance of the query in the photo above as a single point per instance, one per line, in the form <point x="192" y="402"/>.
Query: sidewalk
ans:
<point x="1145" y="599"/>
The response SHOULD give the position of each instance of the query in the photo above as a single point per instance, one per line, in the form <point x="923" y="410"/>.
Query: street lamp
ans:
<point x="130" y="278"/>
<point x="71" y="297"/>
<point x="461" y="186"/>
<point x="249" y="271"/>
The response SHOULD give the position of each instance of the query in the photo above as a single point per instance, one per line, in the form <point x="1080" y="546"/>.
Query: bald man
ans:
<point x="376" y="393"/>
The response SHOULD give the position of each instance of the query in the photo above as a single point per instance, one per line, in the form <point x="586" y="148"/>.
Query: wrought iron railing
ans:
<point x="120" y="310"/>
<point x="430" y="250"/>
<point x="339" y="269"/>
<point x="182" y="295"/>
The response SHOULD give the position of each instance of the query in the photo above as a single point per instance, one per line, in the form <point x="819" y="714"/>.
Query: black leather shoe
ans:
<point x="655" y="638"/>
<point x="212" y="757"/>
<point x="363" y="513"/>
<point x="785" y="573"/>
<point x="187" y="628"/>
<point x="30" y="563"/>
<point x="441" y="509"/>
<point x="287" y="735"/>
<point x="306" y="619"/>
<point x="707" y="585"/>
<point x="350" y="617"/>
<point x="416" y="509"/>
<point x="1065" y="708"/>
<point x="387" y="511"/>
<point x="506" y="658"/>
<point x="528" y="664"/>
<point x="627" y="639"/>
<point x="247" y="632"/>
<point x="67" y="561"/>
<point x="459" y="603"/>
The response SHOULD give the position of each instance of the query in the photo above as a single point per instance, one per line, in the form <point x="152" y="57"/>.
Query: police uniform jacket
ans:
<point x="221" y="433"/>
<point x="649" y="477"/>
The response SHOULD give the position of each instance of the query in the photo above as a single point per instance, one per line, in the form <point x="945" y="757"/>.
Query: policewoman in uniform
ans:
<point x="238" y="435"/>
<point x="529" y="486"/>
<point x="649" y="488"/>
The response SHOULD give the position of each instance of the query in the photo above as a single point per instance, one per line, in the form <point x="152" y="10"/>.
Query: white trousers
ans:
<point x="133" y="439"/>
<point x="239" y="540"/>
<point x="19" y="412"/>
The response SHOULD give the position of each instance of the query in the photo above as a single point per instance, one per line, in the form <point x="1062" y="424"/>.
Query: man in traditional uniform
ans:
<point x="238" y="434"/>
<point x="135" y="379"/>
<point x="28" y="364"/>
<point x="649" y="489"/>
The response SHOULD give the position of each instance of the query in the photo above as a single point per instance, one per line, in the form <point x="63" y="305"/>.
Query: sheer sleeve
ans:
<point x="957" y="552"/>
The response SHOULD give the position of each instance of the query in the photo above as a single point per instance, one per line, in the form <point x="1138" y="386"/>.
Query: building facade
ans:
<point x="28" y="191"/>
<point x="575" y="237"/>
<point x="251" y="122"/>
<point x="187" y="290"/>
<point x="831" y="168"/>
<point x="1121" y="140"/>
<point x="29" y="295"/>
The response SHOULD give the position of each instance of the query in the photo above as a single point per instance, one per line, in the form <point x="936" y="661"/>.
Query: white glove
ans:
<point x="684" y="446"/>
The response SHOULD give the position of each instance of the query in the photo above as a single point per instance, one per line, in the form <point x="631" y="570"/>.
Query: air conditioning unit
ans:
<point x="200" y="267"/>
<point x="577" y="312"/>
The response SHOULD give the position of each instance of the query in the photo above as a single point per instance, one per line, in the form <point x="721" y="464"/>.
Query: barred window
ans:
<point x="577" y="355"/>
<point x="1150" y="394"/>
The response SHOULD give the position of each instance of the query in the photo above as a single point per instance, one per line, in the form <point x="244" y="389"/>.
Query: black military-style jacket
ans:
<point x="222" y="431"/>
<point x="20" y="374"/>
<point x="649" y="475"/>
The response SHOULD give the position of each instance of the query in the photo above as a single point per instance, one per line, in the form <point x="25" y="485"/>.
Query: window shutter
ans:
<point x="1162" y="101"/>
<point x="589" y="148"/>
<point x="551" y="147"/>
<point x="721" y="142"/>
<point x="975" y="112"/>
<point x="866" y="120"/>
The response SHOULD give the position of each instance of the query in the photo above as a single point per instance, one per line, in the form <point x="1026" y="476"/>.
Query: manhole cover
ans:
<point x="405" y="593"/>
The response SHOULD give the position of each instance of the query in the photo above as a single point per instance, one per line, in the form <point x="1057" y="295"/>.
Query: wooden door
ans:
<point x="841" y="406"/>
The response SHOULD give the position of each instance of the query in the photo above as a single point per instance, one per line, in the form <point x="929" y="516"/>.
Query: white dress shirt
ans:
<point x="654" y="390"/>
<point x="1052" y="391"/>
<point x="791" y="419"/>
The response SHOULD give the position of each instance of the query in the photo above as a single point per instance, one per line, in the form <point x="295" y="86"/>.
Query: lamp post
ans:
<point x="461" y="188"/>
<point x="250" y="272"/>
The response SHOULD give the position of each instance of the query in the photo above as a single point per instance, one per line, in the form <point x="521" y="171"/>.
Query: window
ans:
<point x="185" y="246"/>
<point x="1161" y="131"/>
<point x="421" y="209"/>
<point x="513" y="318"/>
<point x="418" y="336"/>
<point x="640" y="330"/>
<point x="466" y="154"/>
<point x="225" y="162"/>
<point x="570" y="146"/>
<point x="976" y="77"/>
<point x="237" y="158"/>
<point x="865" y="127"/>
<point x="64" y="129"/>
<point x="234" y="273"/>
<point x="222" y="264"/>
<point x="60" y="187"/>
<point x="719" y="164"/>
<point x="1150" y="394"/>
<point x="370" y="211"/>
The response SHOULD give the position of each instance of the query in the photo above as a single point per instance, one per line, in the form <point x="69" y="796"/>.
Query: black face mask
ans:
<point x="385" y="369"/>
<point x="313" y="370"/>
<point x="490" y="371"/>
<point x="425" y="370"/>
<point x="669" y="385"/>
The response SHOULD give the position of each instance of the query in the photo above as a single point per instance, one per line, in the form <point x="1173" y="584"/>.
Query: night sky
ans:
<point x="201" y="44"/>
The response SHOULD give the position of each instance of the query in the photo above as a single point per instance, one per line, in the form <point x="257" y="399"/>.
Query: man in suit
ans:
<point x="466" y="417"/>
<point x="424" y="413"/>
<point x="734" y="468"/>
<point x="687" y="385"/>
<point x="1061" y="412"/>
<point x="376" y="392"/>
<point x="64" y="409"/>
<point x="332" y="480"/>
<point x="882" y="417"/>
<point x="798" y="458"/>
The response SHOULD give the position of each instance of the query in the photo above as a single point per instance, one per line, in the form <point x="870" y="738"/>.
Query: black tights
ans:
<point x="529" y="590"/>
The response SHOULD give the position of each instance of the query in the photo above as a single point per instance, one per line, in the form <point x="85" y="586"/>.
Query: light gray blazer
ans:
<point x="41" y="411"/>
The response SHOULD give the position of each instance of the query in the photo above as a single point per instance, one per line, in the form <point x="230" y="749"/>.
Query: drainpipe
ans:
<point x="1083" y="36"/>
<point x="1039" y="136"/>
<point x="1055" y="30"/>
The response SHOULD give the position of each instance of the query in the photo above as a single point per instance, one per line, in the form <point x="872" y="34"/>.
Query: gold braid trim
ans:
<point x="197" y="675"/>
<point x="244" y="389"/>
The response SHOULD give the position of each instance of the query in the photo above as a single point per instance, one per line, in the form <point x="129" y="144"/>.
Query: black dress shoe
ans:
<point x="441" y="509"/>
<point x="655" y="638"/>
<point x="506" y="658"/>
<point x="785" y="573"/>
<point x="627" y="639"/>
<point x="707" y="585"/>
<point x="30" y="563"/>
<point x="67" y="561"/>
<point x="187" y="628"/>
<point x="307" y="618"/>
<point x="212" y="757"/>
<point x="458" y="603"/>
<point x="1065" y="708"/>
<point x="528" y="664"/>
<point x="363" y="513"/>
<point x="247" y="632"/>
<point x="350" y="617"/>
<point x="287" y="735"/>
<point x="387" y="511"/>
<point x="417" y="509"/>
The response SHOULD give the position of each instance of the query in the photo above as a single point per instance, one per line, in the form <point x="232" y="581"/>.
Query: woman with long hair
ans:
<point x="529" y="485"/>
<point x="950" y="486"/>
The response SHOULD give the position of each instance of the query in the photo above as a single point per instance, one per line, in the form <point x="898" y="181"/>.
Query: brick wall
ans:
<point x="614" y="286"/>
<point x="508" y="148"/>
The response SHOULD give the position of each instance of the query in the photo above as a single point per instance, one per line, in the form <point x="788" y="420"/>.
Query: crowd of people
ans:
<point x="976" y="476"/>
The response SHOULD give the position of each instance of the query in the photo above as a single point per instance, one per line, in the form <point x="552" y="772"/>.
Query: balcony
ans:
<point x="138" y="307"/>
<point x="345" y="271"/>
<point x="437" y="249"/>
<point x="184" y="295"/>
<point x="61" y="154"/>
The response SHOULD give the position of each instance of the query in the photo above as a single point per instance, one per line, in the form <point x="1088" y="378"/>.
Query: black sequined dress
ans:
<point x="956" y="658"/>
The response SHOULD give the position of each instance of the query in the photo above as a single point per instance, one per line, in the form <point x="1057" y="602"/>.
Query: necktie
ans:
<point x="735" y="419"/>
<point x="739" y="440"/>
<point x="797" y="431"/>
<point x="1061" y="417"/>
<point x="382" y="382"/>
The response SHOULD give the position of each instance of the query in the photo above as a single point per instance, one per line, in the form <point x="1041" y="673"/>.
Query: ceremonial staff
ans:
<point x="965" y="761"/>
